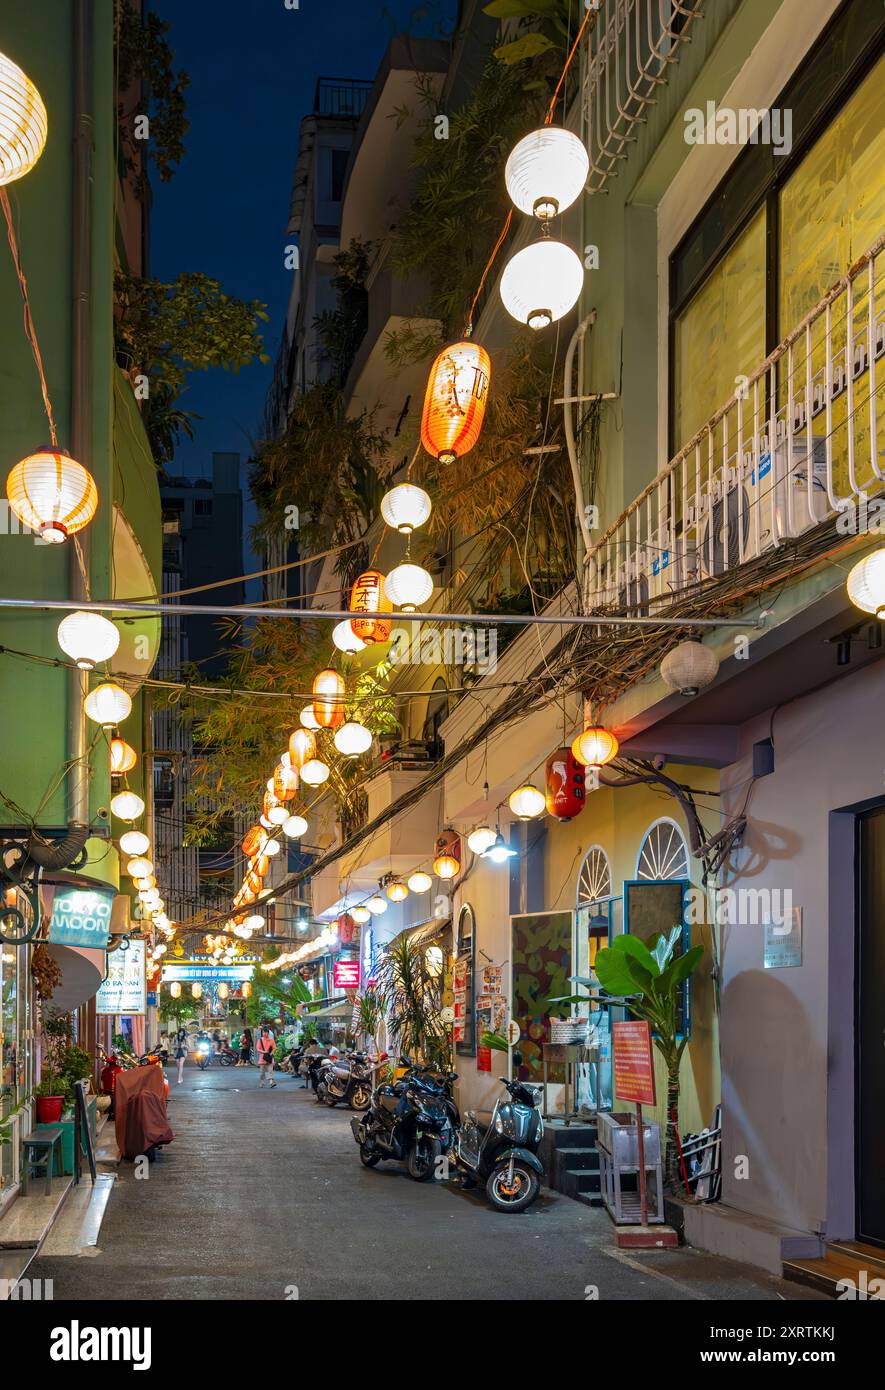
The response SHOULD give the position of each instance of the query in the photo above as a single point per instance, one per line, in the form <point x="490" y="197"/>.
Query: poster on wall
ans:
<point x="123" y="992"/>
<point x="542" y="963"/>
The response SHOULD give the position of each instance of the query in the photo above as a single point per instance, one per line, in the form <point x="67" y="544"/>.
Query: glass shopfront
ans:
<point x="16" y="1055"/>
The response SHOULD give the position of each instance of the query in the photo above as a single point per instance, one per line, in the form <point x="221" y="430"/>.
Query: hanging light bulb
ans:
<point x="123" y="757"/>
<point x="542" y="282"/>
<point x="595" y="747"/>
<point x="480" y="838"/>
<point x="866" y="583"/>
<point x="527" y="802"/>
<point x="455" y="401"/>
<point x="353" y="739"/>
<point x="88" y="638"/>
<point x="546" y="172"/>
<point x="500" y="851"/>
<point x="302" y="747"/>
<point x="369" y="596"/>
<point x="127" y="806"/>
<point x="446" y="866"/>
<point x="108" y="704"/>
<point x="419" y="881"/>
<point x="52" y="494"/>
<point x="328" y="699"/>
<point x="396" y="890"/>
<point x="295" y="827"/>
<point x="134" y="842"/>
<point x="361" y="914"/>
<point x="307" y="718"/>
<point x="345" y="638"/>
<point x="405" y="507"/>
<point x="376" y="905"/>
<point x="175" y="989"/>
<point x="23" y="124"/>
<point x="315" y="772"/>
<point x="407" y="586"/>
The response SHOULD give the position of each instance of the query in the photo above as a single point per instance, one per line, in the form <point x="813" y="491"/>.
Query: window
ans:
<point x="663" y="853"/>
<point x="595" y="878"/>
<point x="202" y="506"/>
<point x="338" y="170"/>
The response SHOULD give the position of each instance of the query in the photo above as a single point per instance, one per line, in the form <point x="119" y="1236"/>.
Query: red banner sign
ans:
<point x="347" y="974"/>
<point x="633" y="1063"/>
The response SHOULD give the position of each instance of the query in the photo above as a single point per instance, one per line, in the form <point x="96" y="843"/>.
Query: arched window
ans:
<point x="663" y="853"/>
<point x="595" y="877"/>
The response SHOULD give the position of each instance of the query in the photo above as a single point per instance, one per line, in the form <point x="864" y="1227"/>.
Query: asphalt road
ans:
<point x="262" y="1196"/>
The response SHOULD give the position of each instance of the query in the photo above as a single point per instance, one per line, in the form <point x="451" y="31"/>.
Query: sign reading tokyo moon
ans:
<point x="123" y="992"/>
<point x="80" y="916"/>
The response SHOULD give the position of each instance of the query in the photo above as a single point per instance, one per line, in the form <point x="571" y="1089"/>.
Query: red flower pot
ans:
<point x="49" y="1109"/>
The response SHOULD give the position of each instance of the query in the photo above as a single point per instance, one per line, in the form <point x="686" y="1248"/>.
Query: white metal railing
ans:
<point x="630" y="47"/>
<point x="727" y="497"/>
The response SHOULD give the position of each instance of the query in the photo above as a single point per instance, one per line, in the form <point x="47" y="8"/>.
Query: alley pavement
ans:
<point x="262" y="1196"/>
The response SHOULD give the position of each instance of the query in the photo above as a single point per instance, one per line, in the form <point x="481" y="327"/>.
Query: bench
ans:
<point x="37" y="1151"/>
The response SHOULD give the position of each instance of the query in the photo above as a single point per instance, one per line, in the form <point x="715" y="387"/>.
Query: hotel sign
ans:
<point x="207" y="973"/>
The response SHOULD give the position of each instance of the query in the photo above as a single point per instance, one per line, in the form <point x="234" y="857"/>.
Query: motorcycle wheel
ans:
<point x="203" y="1065"/>
<point x="368" y="1157"/>
<point x="330" y="1100"/>
<point x="225" y="1060"/>
<point x="516" y="1197"/>
<point x="421" y="1165"/>
<point x="361" y="1099"/>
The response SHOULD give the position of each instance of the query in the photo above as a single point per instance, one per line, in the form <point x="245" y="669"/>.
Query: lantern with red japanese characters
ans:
<point x="369" y="596"/>
<point x="347" y="929"/>
<point x="564" y="788"/>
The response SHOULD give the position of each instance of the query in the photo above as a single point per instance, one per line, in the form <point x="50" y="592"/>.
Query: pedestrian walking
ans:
<point x="266" y="1048"/>
<point x="180" y="1052"/>
<point x="245" y="1048"/>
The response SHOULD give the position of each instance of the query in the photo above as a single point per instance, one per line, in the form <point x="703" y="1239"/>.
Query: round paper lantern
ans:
<point x="254" y="840"/>
<point x="255" y="923"/>
<point x="376" y="905"/>
<point x="52" y="494"/>
<point x="274" y="811"/>
<point x="419" y="881"/>
<point x="546" y="172"/>
<point x="285" y="782"/>
<point x="246" y="989"/>
<point x="564" y="781"/>
<point x="107" y="704"/>
<point x="361" y="914"/>
<point x="196" y="991"/>
<point x="147" y="882"/>
<point x="261" y="864"/>
<point x="307" y="720"/>
<point x="353" y="739"/>
<point x="455" y="401"/>
<point x="866" y="584"/>
<point x="315" y="773"/>
<point x="689" y="667"/>
<point x="254" y="882"/>
<point x="369" y="596"/>
<point x="541" y="283"/>
<point x="345" y="638"/>
<point x="407" y="586"/>
<point x="527" y="802"/>
<point x="405" y="507"/>
<point x="480" y="838"/>
<point x="88" y="638"/>
<point x="134" y="842"/>
<point x="139" y="867"/>
<point x="23" y="123"/>
<point x="175" y="989"/>
<point x="328" y="699"/>
<point x="396" y="890"/>
<point x="123" y="757"/>
<point x="445" y="866"/>
<point x="295" y="827"/>
<point x="302" y="747"/>
<point x="127" y="806"/>
<point x="223" y="990"/>
<point x="272" y="847"/>
<point x="595" y="747"/>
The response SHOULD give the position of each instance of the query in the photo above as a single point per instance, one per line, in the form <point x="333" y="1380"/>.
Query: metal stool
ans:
<point x="38" y="1150"/>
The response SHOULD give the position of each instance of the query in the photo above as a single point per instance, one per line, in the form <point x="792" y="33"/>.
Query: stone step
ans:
<point x="846" y="1270"/>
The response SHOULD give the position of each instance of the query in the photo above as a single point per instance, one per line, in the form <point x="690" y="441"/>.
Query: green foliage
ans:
<point x="371" y="1014"/>
<point x="76" y="1066"/>
<point x="552" y="25"/>
<point x="342" y="329"/>
<point x="176" y="1011"/>
<point x="269" y="993"/>
<point x="51" y="1085"/>
<point x="412" y="1001"/>
<point x="144" y="57"/>
<point x="496" y="1041"/>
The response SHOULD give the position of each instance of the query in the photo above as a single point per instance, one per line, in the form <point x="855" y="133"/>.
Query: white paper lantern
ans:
<point x="376" y="905"/>
<point x="315" y="772"/>
<point x="546" y="172"/>
<point x="407" y="586"/>
<point x="527" y="802"/>
<point x="23" y="123"/>
<point x="88" y="638"/>
<point x="689" y="667"/>
<point x="866" y="584"/>
<point x="542" y="282"/>
<point x="272" y="847"/>
<point x="346" y="640"/>
<point x="295" y="827"/>
<point x="360" y="914"/>
<point x="480" y="839"/>
<point x="108" y="704"/>
<point x="308" y="719"/>
<point x="353" y="739"/>
<point x="134" y="842"/>
<point x="127" y="806"/>
<point x="419" y="881"/>
<point x="405" y="507"/>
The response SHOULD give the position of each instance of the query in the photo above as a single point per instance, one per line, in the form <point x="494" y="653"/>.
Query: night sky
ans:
<point x="253" y="69"/>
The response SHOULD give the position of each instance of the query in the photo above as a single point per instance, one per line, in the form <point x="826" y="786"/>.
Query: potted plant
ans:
<point x="49" y="1098"/>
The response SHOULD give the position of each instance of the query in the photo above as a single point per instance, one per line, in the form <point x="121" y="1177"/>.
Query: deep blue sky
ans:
<point x="253" y="69"/>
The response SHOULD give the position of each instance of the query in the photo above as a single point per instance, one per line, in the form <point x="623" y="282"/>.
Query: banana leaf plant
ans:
<point x="647" y="978"/>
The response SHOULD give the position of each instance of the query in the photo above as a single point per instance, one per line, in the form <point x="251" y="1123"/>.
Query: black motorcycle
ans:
<point x="349" y="1080"/>
<point x="312" y="1068"/>
<point x="504" y="1156"/>
<point x="409" y="1121"/>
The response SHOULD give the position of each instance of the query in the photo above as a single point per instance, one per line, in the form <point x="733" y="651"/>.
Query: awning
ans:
<point x="82" y="972"/>
<point x="422" y="933"/>
<point x="338" y="1010"/>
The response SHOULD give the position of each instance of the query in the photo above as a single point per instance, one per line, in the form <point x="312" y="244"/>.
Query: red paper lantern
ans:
<point x="346" y="928"/>
<point x="565" y="792"/>
<point x="455" y="402"/>
<point x="368" y="596"/>
<point x="328" y="699"/>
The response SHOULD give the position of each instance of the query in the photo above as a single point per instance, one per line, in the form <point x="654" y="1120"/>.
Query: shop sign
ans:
<point x="346" y="974"/>
<point x="80" y="916"/>
<point x="209" y="973"/>
<point x="633" y="1063"/>
<point x="123" y="992"/>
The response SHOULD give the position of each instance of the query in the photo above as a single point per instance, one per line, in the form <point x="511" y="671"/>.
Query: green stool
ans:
<point x="38" y="1151"/>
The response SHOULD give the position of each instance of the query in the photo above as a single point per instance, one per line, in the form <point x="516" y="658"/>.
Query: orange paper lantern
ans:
<point x="123" y="757"/>
<point x="302" y="747"/>
<point x="455" y="402"/>
<point x="285" y="782"/>
<point x="254" y="840"/>
<point x="328" y="699"/>
<point x="368" y="596"/>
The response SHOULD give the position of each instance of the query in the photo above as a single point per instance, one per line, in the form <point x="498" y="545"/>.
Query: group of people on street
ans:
<point x="264" y="1049"/>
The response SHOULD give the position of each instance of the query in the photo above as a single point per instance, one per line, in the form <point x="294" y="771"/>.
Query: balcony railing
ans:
<point x="631" y="46"/>
<point x="728" y="496"/>
<point x="341" y="96"/>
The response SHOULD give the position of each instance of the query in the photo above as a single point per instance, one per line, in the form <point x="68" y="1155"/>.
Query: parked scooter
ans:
<point x="348" y="1080"/>
<point x="409" y="1121"/>
<point x="504" y="1156"/>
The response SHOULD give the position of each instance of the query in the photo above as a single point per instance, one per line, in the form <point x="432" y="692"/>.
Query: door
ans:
<point x="870" y="1029"/>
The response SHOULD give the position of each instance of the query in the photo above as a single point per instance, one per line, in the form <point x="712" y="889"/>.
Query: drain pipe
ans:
<point x="81" y="380"/>
<point x="569" y="426"/>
